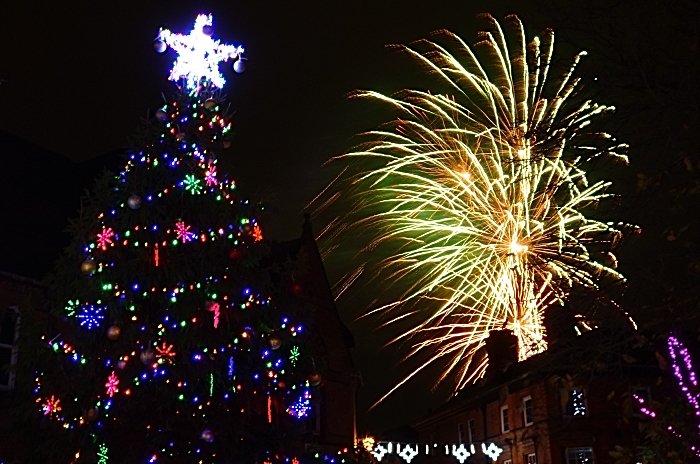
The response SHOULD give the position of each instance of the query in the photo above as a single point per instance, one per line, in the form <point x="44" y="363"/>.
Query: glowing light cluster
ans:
<point x="198" y="55"/>
<point x="51" y="406"/>
<point x="183" y="232"/>
<point x="576" y="405"/>
<point x="301" y="407"/>
<point x="91" y="316"/>
<point x="112" y="383"/>
<point x="473" y="205"/>
<point x="682" y="367"/>
<point x="409" y="451"/>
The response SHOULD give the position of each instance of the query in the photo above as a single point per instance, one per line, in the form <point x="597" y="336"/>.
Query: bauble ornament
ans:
<point x="207" y="435"/>
<point x="235" y="254"/>
<point x="274" y="342"/>
<point x="315" y="379"/>
<point x="113" y="332"/>
<point x="159" y="46"/>
<point x="239" y="65"/>
<point x="161" y="115"/>
<point x="121" y="364"/>
<point x="226" y="143"/>
<point x="147" y="356"/>
<point x="207" y="30"/>
<point x="210" y="104"/>
<point x="295" y="289"/>
<point x="134" y="202"/>
<point x="91" y="414"/>
<point x="88" y="267"/>
<point x="180" y="136"/>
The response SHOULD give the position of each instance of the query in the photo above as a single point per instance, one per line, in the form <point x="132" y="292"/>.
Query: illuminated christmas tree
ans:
<point x="178" y="344"/>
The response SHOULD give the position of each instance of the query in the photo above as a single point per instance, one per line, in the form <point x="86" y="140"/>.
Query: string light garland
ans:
<point x="686" y="378"/>
<point x="159" y="247"/>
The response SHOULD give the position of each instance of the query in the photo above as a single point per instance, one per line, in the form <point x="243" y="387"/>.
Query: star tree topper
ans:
<point x="198" y="55"/>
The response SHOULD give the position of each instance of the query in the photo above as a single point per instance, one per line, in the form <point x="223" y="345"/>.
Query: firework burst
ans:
<point x="472" y="201"/>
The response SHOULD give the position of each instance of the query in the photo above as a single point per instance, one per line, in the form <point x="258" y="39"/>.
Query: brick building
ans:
<point x="333" y="421"/>
<point x="569" y="405"/>
<point x="22" y="301"/>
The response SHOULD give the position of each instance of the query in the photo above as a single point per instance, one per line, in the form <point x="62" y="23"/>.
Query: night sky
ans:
<point x="78" y="76"/>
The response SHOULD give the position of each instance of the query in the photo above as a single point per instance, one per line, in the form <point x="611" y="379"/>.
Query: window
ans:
<point x="460" y="433"/>
<point x="531" y="458"/>
<point x="579" y="456"/>
<point x="527" y="411"/>
<point x="505" y="427"/>
<point x="575" y="402"/>
<point x="508" y="461"/>
<point x="9" y="332"/>
<point x="471" y="425"/>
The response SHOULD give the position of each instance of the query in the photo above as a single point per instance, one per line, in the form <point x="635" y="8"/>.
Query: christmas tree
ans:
<point x="177" y="344"/>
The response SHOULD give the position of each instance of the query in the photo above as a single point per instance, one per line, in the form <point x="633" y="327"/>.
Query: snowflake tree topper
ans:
<point x="198" y="55"/>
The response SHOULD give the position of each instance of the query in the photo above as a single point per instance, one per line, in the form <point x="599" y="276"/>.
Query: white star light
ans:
<point x="198" y="55"/>
<point x="408" y="453"/>
<point x="379" y="452"/>
<point x="493" y="451"/>
<point x="460" y="453"/>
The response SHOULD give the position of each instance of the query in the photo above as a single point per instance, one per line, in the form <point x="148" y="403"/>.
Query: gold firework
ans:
<point x="473" y="199"/>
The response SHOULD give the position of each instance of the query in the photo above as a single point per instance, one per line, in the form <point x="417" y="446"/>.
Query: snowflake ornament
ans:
<point x="52" y="406"/>
<point x="210" y="175"/>
<point x="105" y="237"/>
<point x="192" y="184"/>
<point x="91" y="316"/>
<point x="294" y="355"/>
<point x="111" y="385"/>
<point x="165" y="354"/>
<point x="257" y="233"/>
<point x="301" y="407"/>
<point x="183" y="232"/>
<point x="198" y="55"/>
<point x="102" y="454"/>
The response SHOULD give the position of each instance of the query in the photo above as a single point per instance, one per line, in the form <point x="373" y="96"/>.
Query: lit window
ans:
<point x="579" y="456"/>
<point x="471" y="424"/>
<point x="531" y="458"/>
<point x="575" y="402"/>
<point x="508" y="461"/>
<point x="527" y="411"/>
<point x="9" y="332"/>
<point x="505" y="427"/>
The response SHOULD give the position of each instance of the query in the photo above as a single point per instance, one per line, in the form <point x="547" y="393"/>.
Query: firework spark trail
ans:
<point x="474" y="202"/>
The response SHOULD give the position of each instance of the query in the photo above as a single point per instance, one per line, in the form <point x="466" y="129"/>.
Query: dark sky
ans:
<point x="79" y="75"/>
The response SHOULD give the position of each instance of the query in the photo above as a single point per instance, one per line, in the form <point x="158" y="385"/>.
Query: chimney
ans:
<point x="559" y="324"/>
<point x="502" y="350"/>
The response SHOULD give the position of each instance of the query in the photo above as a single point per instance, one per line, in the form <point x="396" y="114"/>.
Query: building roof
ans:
<point x="599" y="353"/>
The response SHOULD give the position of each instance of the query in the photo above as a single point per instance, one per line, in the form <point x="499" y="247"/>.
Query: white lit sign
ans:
<point x="459" y="451"/>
